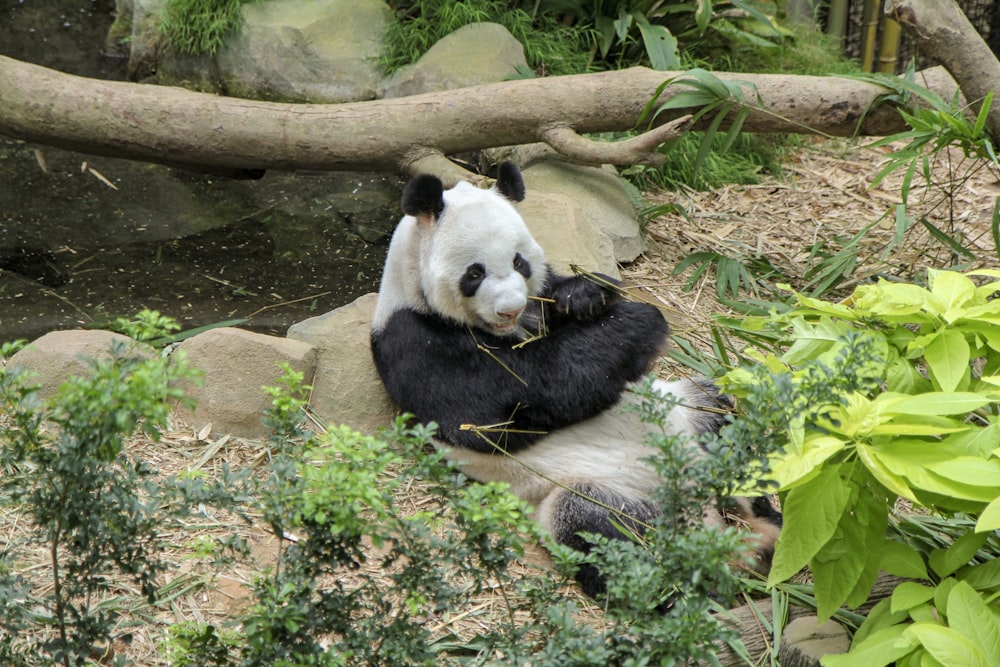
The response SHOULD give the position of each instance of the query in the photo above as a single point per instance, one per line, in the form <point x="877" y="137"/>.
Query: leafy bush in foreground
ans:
<point x="336" y="494"/>
<point x="96" y="510"/>
<point x="333" y="500"/>
<point x="891" y="394"/>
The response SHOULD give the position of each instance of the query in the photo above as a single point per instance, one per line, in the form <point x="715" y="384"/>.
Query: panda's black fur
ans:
<point x="475" y="332"/>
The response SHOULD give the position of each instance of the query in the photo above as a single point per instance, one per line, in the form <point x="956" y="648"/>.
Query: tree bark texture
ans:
<point x="942" y="31"/>
<point x="196" y="130"/>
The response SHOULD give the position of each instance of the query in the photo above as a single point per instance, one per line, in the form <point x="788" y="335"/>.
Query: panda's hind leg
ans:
<point x="586" y="508"/>
<point x="764" y="526"/>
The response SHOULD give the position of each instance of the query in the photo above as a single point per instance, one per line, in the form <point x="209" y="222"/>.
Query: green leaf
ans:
<point x="983" y="576"/>
<point x="951" y="292"/>
<point x="811" y="339"/>
<point x="939" y="403"/>
<point x="989" y="519"/>
<point x="912" y="458"/>
<point x="811" y="514"/>
<point x="947" y="357"/>
<point x="969" y="614"/>
<point x="902" y="560"/>
<point x="787" y="469"/>
<point x="879" y="649"/>
<point x="948" y="646"/>
<point x="661" y="46"/>
<point x="889" y="479"/>
<point x="970" y="470"/>
<point x="908" y="595"/>
<point x="946" y="561"/>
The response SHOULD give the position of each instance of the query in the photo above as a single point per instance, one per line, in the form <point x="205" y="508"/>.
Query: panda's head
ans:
<point x="476" y="263"/>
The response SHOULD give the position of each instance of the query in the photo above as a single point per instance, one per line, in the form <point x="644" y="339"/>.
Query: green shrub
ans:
<point x="891" y="394"/>
<point x="96" y="510"/>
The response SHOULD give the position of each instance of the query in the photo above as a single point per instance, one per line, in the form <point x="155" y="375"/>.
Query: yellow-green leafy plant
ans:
<point x="892" y="393"/>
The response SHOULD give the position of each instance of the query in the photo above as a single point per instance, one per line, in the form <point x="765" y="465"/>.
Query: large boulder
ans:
<point x="600" y="197"/>
<point x="54" y="357"/>
<point x="236" y="366"/>
<point x="287" y="50"/>
<point x="567" y="233"/>
<point x="347" y="389"/>
<point x="474" y="54"/>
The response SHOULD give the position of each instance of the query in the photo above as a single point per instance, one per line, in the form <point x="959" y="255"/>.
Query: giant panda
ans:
<point x="526" y="371"/>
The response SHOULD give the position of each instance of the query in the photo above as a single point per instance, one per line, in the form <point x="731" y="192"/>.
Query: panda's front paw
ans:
<point x="580" y="299"/>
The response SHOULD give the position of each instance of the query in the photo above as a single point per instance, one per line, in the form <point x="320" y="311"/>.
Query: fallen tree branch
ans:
<point x="637" y="150"/>
<point x="942" y="31"/>
<point x="207" y="132"/>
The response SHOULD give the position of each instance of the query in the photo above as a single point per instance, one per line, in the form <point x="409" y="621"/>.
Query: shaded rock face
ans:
<point x="347" y="388"/>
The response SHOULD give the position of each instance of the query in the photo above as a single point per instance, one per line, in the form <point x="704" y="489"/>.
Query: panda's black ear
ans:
<point x="509" y="181"/>
<point x="423" y="196"/>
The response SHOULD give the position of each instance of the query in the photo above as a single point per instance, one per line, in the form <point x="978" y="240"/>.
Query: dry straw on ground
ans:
<point x="824" y="195"/>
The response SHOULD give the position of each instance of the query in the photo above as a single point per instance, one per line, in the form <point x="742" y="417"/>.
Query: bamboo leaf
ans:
<point x="946" y="240"/>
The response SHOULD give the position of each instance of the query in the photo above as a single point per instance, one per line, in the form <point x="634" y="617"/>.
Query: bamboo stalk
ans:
<point x="836" y="21"/>
<point x="869" y="28"/>
<point x="889" y="48"/>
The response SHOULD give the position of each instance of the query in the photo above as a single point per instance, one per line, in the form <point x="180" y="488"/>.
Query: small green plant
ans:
<point x="893" y="393"/>
<point x="936" y="125"/>
<point x="199" y="26"/>
<point x="95" y="509"/>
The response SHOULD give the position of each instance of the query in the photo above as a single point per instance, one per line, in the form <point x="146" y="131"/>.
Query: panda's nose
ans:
<point x="509" y="314"/>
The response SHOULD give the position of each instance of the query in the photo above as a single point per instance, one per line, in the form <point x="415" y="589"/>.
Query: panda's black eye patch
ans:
<point x="522" y="266"/>
<point x="472" y="279"/>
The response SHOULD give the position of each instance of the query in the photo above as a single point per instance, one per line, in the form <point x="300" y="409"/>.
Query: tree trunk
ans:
<point x="942" y="31"/>
<point x="207" y="132"/>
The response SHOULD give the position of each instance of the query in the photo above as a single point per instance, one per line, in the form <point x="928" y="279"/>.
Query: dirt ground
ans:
<point x="822" y="198"/>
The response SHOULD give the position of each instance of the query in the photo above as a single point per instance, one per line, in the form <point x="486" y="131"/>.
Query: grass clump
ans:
<point x="197" y="27"/>
<point x="549" y="48"/>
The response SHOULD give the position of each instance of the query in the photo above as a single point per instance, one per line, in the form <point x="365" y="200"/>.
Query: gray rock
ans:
<point x="54" y="357"/>
<point x="347" y="389"/>
<point x="287" y="50"/>
<point x="474" y="54"/>
<point x="567" y="233"/>
<point x="804" y="641"/>
<point x="236" y="365"/>
<point x="599" y="196"/>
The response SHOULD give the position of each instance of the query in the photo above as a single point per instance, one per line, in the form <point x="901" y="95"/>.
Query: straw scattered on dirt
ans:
<point x="823" y="196"/>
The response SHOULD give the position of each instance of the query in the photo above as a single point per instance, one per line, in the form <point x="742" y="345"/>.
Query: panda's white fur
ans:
<point x="526" y="371"/>
<point x="425" y="254"/>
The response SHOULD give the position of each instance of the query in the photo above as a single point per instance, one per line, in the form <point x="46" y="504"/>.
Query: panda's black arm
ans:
<point x="447" y="374"/>
<point x="576" y="298"/>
